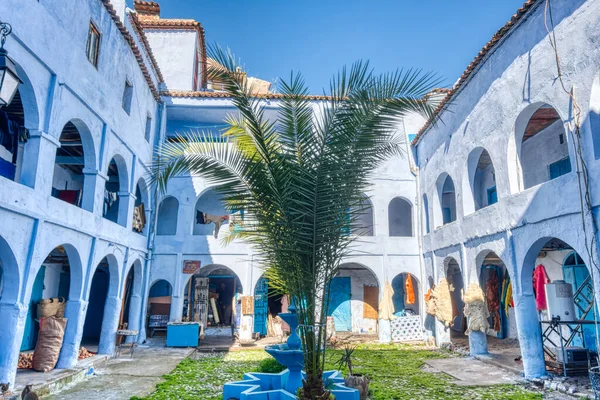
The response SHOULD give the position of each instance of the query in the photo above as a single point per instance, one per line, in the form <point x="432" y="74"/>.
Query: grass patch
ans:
<point x="395" y="371"/>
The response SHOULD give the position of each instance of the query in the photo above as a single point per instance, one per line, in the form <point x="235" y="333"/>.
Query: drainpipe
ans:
<point x="151" y="229"/>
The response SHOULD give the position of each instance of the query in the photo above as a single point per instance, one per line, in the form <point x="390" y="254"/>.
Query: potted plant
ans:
<point x="357" y="381"/>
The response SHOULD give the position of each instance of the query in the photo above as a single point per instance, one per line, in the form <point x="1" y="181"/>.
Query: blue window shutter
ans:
<point x="447" y="215"/>
<point x="492" y="196"/>
<point x="560" y="168"/>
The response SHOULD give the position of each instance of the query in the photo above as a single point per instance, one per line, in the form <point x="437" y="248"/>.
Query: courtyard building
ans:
<point x="487" y="194"/>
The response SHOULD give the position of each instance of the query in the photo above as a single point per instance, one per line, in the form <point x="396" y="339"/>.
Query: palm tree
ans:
<point x="300" y="178"/>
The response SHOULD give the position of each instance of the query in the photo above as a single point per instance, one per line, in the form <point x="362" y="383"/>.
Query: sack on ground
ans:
<point x="50" y="339"/>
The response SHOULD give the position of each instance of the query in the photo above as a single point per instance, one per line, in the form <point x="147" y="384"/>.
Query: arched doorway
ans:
<point x="168" y="212"/>
<point x="400" y="217"/>
<point x="447" y="199"/>
<point x="542" y="149"/>
<point x="406" y="298"/>
<point x="556" y="283"/>
<point x="268" y="303"/>
<point x="74" y="154"/>
<point x="159" y="307"/>
<point x="103" y="287"/>
<point x="496" y="285"/>
<point x="481" y="179"/>
<point x="354" y="300"/>
<point x="53" y="280"/>
<point x="116" y="192"/>
<point x="456" y="284"/>
<point x="213" y="299"/>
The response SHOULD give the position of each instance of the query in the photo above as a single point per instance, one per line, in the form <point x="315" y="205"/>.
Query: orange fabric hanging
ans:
<point x="409" y="290"/>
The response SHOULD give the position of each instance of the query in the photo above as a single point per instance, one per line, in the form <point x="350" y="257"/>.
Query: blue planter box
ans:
<point x="183" y="334"/>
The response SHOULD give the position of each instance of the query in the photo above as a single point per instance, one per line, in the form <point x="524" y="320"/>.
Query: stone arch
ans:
<point x="160" y="295"/>
<point x="131" y="290"/>
<point x="480" y="181"/>
<point x="446" y="200"/>
<point x="116" y="191"/>
<point x="401" y="299"/>
<point x="168" y="213"/>
<point x="209" y="202"/>
<point x="539" y="148"/>
<point x="354" y="298"/>
<point x="9" y="274"/>
<point x="75" y="165"/>
<point x="400" y="217"/>
<point x="29" y="100"/>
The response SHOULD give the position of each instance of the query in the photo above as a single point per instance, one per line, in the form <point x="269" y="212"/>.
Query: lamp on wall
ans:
<point x="9" y="79"/>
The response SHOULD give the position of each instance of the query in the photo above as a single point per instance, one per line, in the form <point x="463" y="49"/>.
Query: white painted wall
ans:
<point x="358" y="280"/>
<point x="175" y="52"/>
<point x="541" y="150"/>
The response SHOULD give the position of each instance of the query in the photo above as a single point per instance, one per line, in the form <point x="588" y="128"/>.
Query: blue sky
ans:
<point x="273" y="37"/>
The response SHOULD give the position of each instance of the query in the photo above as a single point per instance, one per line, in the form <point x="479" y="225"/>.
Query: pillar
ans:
<point x="11" y="336"/>
<point x="90" y="177"/>
<point x="126" y="202"/>
<point x="176" y="307"/>
<point x="478" y="343"/>
<point x="110" y="324"/>
<point x="75" y="314"/>
<point x="530" y="336"/>
<point x="385" y="331"/>
<point x="135" y="313"/>
<point x="442" y="334"/>
<point x="39" y="155"/>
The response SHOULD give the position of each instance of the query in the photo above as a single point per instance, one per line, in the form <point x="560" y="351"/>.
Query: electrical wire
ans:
<point x="585" y="197"/>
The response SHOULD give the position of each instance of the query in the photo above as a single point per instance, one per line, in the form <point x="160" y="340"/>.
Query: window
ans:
<point x="127" y="96"/>
<point x="560" y="167"/>
<point x="148" y="127"/>
<point x="93" y="44"/>
<point x="492" y="196"/>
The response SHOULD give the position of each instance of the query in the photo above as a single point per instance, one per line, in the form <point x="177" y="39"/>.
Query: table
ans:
<point x="125" y="333"/>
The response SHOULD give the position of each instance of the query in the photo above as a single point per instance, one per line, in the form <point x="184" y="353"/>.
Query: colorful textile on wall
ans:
<point x="139" y="218"/>
<point x="409" y="290"/>
<point x="218" y="220"/>
<point x="493" y="300"/>
<point x="443" y="306"/>
<point x="475" y="309"/>
<point x="540" y="278"/>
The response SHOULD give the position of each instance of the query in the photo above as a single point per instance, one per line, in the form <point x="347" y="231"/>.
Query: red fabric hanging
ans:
<point x="540" y="278"/>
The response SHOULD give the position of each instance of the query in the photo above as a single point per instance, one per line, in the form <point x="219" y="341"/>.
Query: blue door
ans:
<point x="339" y="304"/>
<point x="31" y="329"/>
<point x="576" y="273"/>
<point x="492" y="196"/>
<point x="261" y="306"/>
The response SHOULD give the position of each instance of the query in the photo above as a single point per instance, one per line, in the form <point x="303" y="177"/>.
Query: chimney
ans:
<point x="147" y="9"/>
<point x="119" y="6"/>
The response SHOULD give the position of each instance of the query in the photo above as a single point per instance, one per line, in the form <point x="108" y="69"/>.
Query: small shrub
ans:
<point x="270" y="366"/>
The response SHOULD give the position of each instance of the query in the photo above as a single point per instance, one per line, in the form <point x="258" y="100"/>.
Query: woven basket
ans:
<point x="54" y="307"/>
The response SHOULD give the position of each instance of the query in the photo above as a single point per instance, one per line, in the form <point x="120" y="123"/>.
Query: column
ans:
<point x="530" y="336"/>
<point x="135" y="313"/>
<point x="75" y="314"/>
<point x="442" y="334"/>
<point x="126" y="201"/>
<point x="90" y="178"/>
<point x="110" y="324"/>
<point x="39" y="155"/>
<point x="11" y="336"/>
<point x="478" y="343"/>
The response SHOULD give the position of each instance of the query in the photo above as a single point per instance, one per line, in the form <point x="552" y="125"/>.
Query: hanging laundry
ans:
<point x="139" y="218"/>
<point x="443" y="307"/>
<point x="508" y="300"/>
<point x="218" y="220"/>
<point x="409" y="290"/>
<point x="110" y="198"/>
<point x="70" y="196"/>
<point x="492" y="294"/>
<point x="200" y="217"/>
<point x="540" y="278"/>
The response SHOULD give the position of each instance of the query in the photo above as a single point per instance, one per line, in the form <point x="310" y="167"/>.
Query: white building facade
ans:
<point x="500" y="170"/>
<point x="79" y="219"/>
